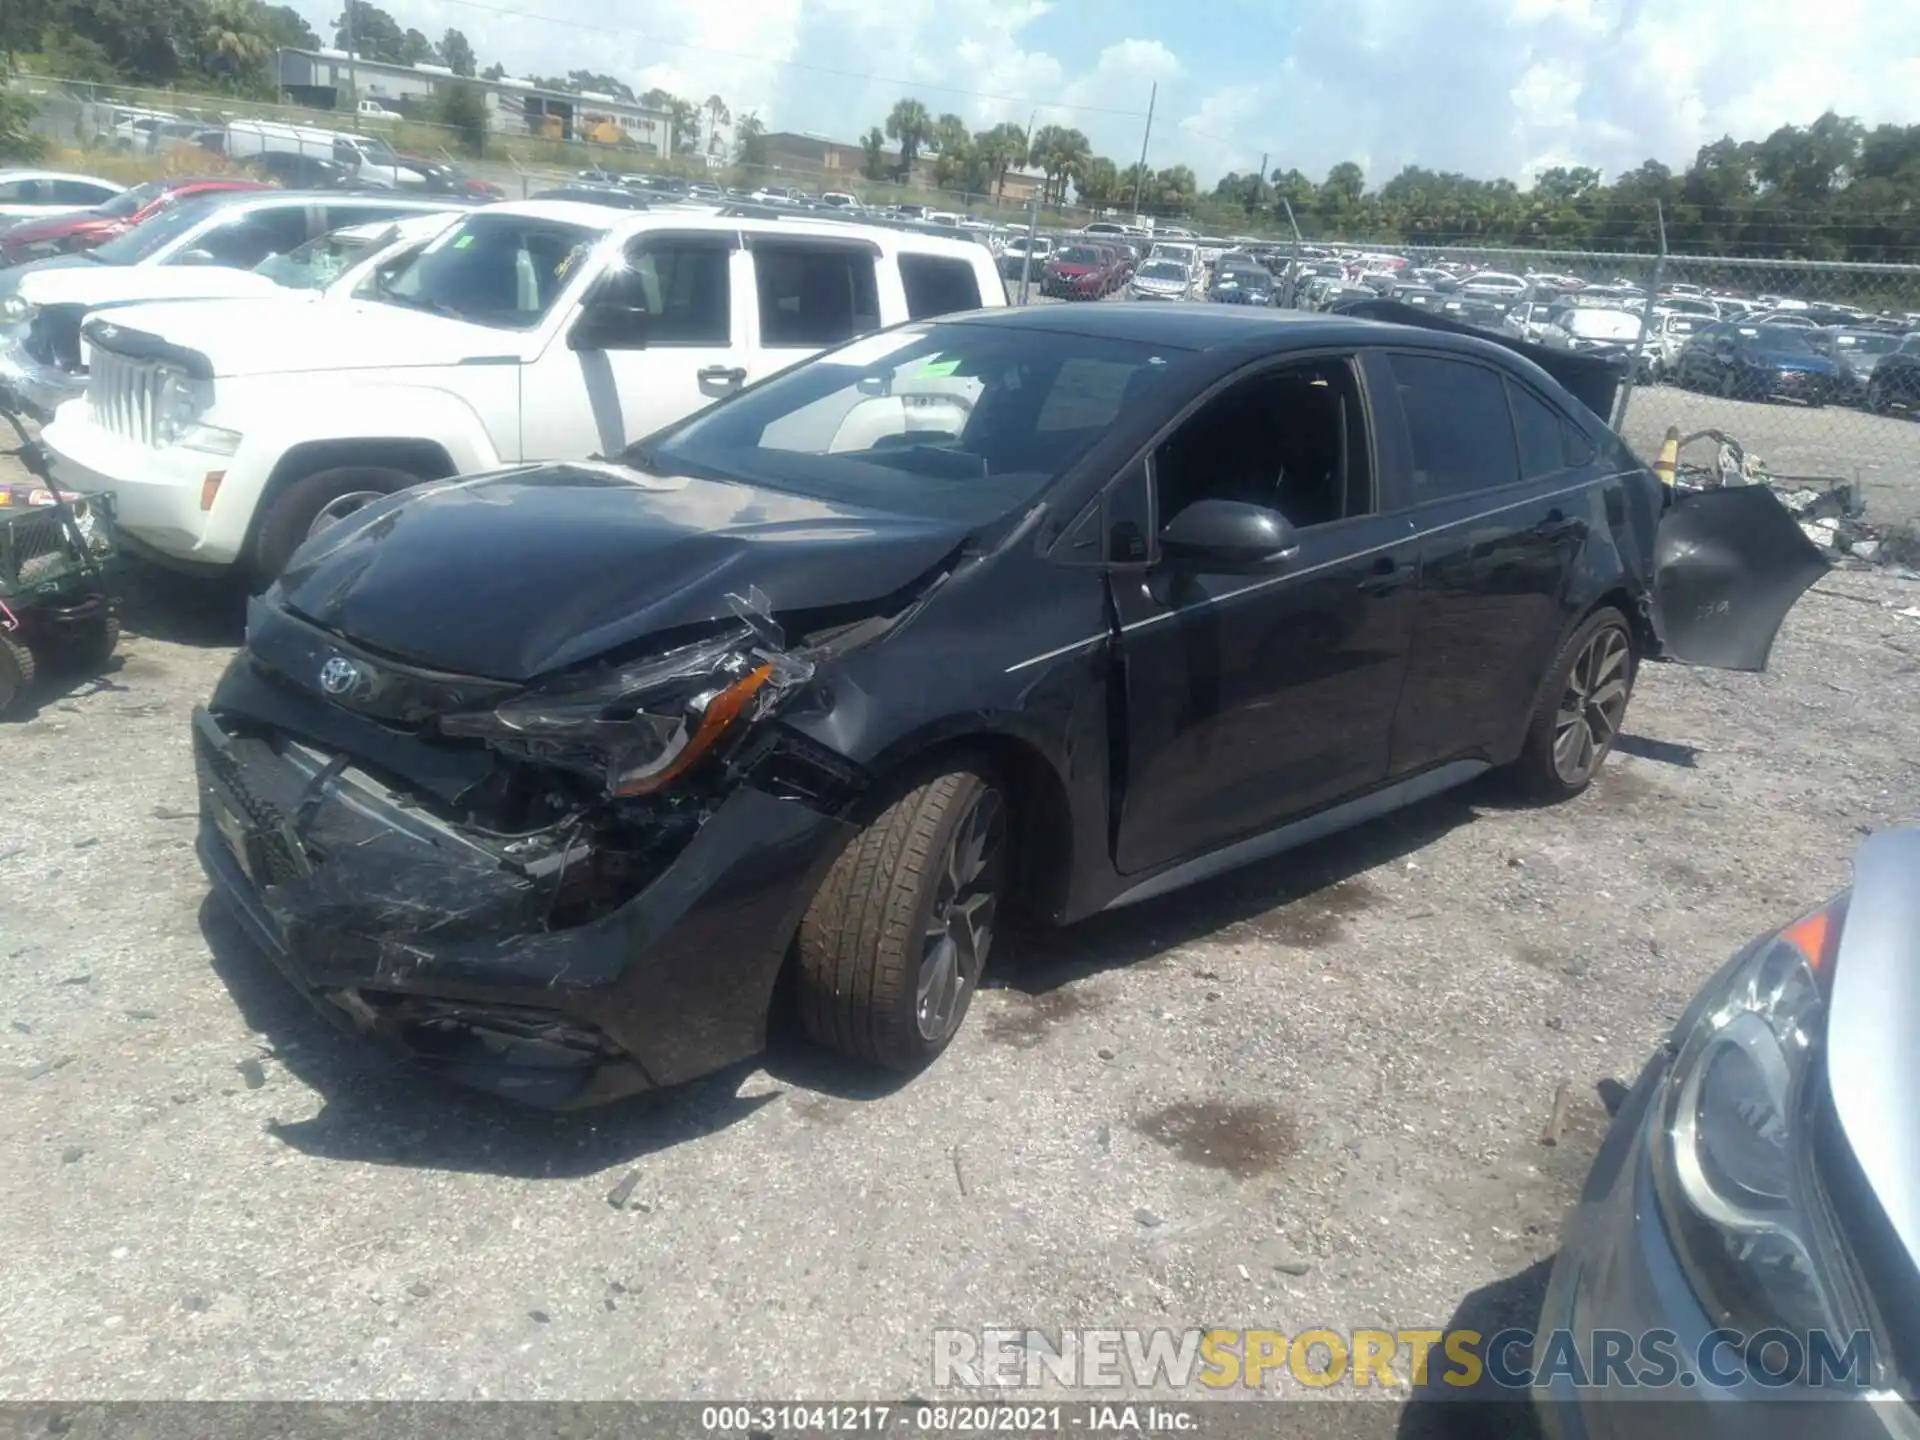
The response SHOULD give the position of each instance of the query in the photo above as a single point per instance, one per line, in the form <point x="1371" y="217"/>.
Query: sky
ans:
<point x="1485" y="87"/>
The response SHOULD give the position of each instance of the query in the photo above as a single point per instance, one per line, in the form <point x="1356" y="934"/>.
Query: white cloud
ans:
<point x="1489" y="87"/>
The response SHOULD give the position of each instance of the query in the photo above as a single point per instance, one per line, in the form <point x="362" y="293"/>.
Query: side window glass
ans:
<point x="251" y="238"/>
<point x="814" y="295"/>
<point x="1457" y="425"/>
<point x="1279" y="440"/>
<point x="938" y="286"/>
<point x="681" y="285"/>
<point x="1542" y="433"/>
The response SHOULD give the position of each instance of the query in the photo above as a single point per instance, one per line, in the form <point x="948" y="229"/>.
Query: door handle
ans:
<point x="723" y="374"/>
<point x="1387" y="575"/>
<point x="1556" y="527"/>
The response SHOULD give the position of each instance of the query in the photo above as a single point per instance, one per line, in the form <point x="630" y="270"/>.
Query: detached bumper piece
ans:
<point x="436" y="940"/>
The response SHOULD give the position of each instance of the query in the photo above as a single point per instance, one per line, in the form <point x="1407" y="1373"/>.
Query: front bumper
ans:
<point x="1618" y="1272"/>
<point x="158" y="491"/>
<point x="413" y="932"/>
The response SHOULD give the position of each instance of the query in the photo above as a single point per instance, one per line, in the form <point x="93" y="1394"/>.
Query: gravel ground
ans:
<point x="1309" y="1094"/>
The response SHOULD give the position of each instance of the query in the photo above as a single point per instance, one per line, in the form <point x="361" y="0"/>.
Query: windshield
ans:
<point x="1080" y="255"/>
<point x="132" y="202"/>
<point x="375" y="149"/>
<point x="1781" y="337"/>
<point x="1870" y="342"/>
<point x="1603" y="324"/>
<point x="148" y="237"/>
<point x="1163" y="270"/>
<point x="951" y="421"/>
<point x="499" y="270"/>
<point x="318" y="263"/>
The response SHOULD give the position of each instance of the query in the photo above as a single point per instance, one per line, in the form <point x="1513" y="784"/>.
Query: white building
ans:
<point x="515" y="107"/>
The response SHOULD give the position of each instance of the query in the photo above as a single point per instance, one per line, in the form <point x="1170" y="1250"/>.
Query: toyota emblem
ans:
<point x="339" y="675"/>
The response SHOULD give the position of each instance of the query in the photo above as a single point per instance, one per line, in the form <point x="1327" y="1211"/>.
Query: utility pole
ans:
<point x="1260" y="181"/>
<point x="1140" y="175"/>
<point x="353" y="71"/>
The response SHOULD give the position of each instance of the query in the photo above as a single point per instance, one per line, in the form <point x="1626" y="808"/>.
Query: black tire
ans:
<point x="291" y="514"/>
<point x="1876" y="401"/>
<point x="1729" y="386"/>
<point x="16" y="671"/>
<point x="1538" y="771"/>
<point x="87" y="647"/>
<point x="868" y="933"/>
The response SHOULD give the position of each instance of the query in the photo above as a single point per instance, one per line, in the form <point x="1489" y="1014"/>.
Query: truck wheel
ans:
<point x="312" y="503"/>
<point x="893" y="945"/>
<point x="16" y="671"/>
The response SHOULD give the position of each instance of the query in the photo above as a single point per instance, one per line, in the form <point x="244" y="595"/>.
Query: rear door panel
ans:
<point x="1728" y="566"/>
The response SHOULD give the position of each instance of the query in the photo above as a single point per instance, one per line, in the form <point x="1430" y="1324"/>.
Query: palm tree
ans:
<point x="717" y="115"/>
<point x="874" y="160"/>
<point x="998" y="149"/>
<point x="750" y="141"/>
<point x="909" y="124"/>
<point x="1058" y="151"/>
<point x="234" y="40"/>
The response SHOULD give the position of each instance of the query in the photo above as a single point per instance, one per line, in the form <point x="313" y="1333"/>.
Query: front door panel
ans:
<point x="1253" y="699"/>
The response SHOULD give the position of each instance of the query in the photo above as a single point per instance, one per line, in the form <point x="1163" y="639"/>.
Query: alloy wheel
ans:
<point x="960" y="925"/>
<point x="339" y="508"/>
<point x="1592" y="705"/>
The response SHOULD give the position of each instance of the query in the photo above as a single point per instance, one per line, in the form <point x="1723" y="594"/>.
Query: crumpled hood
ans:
<point x="300" y="337"/>
<point x="522" y="572"/>
<point x="127" y="284"/>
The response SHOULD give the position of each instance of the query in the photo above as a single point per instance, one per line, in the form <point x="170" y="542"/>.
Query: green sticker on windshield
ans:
<point x="936" y="369"/>
<point x="461" y="242"/>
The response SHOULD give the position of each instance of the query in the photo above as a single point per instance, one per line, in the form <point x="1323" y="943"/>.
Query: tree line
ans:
<point x="978" y="162"/>
<point x="229" y="47"/>
<point x="1831" y="190"/>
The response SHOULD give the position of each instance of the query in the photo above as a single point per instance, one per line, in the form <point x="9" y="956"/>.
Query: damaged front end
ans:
<point x="560" y="892"/>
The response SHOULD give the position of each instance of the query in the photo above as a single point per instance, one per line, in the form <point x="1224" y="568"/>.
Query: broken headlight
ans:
<point x="637" y="728"/>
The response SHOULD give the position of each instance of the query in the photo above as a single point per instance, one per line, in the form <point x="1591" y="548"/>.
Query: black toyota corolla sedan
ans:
<point x="549" y="777"/>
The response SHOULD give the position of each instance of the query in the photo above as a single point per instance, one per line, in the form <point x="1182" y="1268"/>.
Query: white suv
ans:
<point x="541" y="330"/>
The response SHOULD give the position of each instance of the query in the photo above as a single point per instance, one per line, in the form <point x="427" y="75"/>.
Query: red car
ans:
<point x="1080" y="272"/>
<point x="84" y="229"/>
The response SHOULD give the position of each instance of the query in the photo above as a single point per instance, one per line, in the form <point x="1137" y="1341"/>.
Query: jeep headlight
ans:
<point x="179" y="401"/>
<point x="15" y="309"/>
<point x="1732" y="1157"/>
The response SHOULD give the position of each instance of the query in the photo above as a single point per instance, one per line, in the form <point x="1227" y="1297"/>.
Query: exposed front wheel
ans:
<point x="1581" y="708"/>
<point x="893" y="946"/>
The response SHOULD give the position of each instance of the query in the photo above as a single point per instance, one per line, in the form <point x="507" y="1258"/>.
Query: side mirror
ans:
<point x="199" y="257"/>
<point x="606" y="326"/>
<point x="1228" y="536"/>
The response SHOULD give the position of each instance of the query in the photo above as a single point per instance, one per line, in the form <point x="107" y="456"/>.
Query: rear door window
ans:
<point x="938" y="285"/>
<point x="1457" y="425"/>
<point x="814" y="294"/>
<point x="245" y="240"/>
<point x="1548" y="441"/>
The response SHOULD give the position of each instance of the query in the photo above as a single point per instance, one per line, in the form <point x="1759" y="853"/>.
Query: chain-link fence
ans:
<point x="1812" y="366"/>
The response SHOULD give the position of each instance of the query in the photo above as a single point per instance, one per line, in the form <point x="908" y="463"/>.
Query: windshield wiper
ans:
<point x="420" y="302"/>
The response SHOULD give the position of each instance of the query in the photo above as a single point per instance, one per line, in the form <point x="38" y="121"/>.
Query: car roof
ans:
<point x="634" y="222"/>
<point x="6" y="175"/>
<point x="1201" y="326"/>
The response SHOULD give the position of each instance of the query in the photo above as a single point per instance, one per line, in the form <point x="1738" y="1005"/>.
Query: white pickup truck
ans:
<point x="539" y="330"/>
